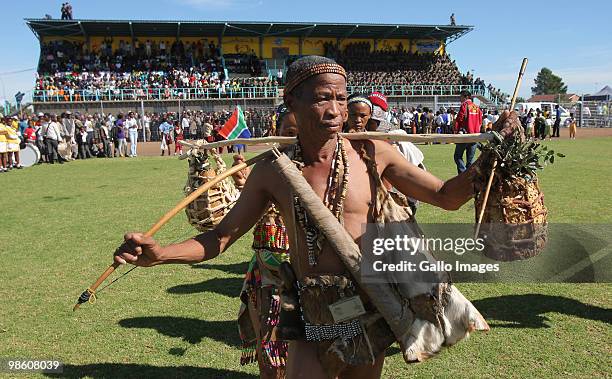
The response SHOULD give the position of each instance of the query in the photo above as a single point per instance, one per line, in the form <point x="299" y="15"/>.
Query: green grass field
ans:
<point x="60" y="225"/>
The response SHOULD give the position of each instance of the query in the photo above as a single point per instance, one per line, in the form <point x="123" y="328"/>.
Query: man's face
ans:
<point x="288" y="127"/>
<point x="358" y="116"/>
<point x="319" y="105"/>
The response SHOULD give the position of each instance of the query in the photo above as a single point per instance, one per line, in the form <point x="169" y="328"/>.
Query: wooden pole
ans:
<point x="490" y="182"/>
<point x="415" y="138"/>
<point x="177" y="208"/>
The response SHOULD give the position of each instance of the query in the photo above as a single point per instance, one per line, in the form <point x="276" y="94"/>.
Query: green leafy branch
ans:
<point x="519" y="159"/>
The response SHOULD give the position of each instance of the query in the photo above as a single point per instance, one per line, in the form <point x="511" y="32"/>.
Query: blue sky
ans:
<point x="572" y="40"/>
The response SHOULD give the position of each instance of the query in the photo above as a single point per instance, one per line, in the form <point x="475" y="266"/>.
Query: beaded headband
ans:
<point x="359" y="99"/>
<point x="321" y="68"/>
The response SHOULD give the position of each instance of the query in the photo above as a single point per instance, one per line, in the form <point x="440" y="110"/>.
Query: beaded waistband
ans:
<point x="344" y="330"/>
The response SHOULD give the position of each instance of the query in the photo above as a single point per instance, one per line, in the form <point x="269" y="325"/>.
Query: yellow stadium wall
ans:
<point x="314" y="46"/>
<point x="71" y="39"/>
<point x="187" y="40"/>
<point x="97" y="41"/>
<point x="269" y="43"/>
<point x="391" y="44"/>
<point x="232" y="45"/>
<point x="240" y="45"/>
<point x="345" y="42"/>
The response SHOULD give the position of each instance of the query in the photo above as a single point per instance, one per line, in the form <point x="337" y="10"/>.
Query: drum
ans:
<point x="29" y="156"/>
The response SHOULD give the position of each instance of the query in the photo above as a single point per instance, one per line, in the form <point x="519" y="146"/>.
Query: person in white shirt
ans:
<point x="413" y="155"/>
<point x="132" y="126"/>
<point x="146" y="124"/>
<point x="185" y="122"/>
<point x="53" y="135"/>
<point x="89" y="129"/>
<point x="406" y="119"/>
<point x="486" y="122"/>
<point x="105" y="139"/>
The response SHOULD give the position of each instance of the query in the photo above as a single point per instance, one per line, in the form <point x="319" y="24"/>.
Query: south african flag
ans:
<point x="236" y="126"/>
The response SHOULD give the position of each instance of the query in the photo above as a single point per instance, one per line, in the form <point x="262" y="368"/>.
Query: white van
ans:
<point x="544" y="107"/>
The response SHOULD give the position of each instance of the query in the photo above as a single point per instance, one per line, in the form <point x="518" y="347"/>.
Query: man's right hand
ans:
<point x="139" y="250"/>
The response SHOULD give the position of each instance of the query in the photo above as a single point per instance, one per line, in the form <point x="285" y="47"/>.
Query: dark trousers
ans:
<point x="470" y="150"/>
<point x="89" y="139"/>
<point x="556" y="127"/>
<point x="42" y="147"/>
<point x="107" y="152"/>
<point x="84" y="151"/>
<point x="52" y="152"/>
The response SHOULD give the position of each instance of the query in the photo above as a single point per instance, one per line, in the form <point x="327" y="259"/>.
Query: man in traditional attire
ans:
<point x="315" y="92"/>
<point x="260" y="308"/>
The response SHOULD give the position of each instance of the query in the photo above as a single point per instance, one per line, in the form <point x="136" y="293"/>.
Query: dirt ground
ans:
<point x="152" y="148"/>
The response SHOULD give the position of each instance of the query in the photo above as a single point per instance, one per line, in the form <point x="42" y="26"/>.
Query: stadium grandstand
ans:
<point x="113" y="65"/>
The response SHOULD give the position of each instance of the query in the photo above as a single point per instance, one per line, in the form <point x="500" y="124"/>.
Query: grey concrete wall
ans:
<point x="116" y="107"/>
<point x="220" y="104"/>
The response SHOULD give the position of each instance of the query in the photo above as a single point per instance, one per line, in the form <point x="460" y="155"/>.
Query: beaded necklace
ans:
<point x="335" y="194"/>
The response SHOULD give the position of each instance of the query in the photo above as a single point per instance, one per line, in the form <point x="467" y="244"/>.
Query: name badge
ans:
<point x="347" y="309"/>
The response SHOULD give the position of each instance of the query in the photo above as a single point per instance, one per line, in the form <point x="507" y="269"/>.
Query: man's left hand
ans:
<point x="508" y="124"/>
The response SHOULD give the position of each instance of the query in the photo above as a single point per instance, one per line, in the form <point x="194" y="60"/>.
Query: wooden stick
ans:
<point x="490" y="182"/>
<point x="486" y="197"/>
<point x="518" y="84"/>
<point x="179" y="207"/>
<point x="415" y="138"/>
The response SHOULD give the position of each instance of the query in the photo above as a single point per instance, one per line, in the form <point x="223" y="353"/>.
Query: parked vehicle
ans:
<point x="544" y="107"/>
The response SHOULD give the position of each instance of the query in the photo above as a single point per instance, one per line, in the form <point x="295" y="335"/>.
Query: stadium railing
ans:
<point x="137" y="94"/>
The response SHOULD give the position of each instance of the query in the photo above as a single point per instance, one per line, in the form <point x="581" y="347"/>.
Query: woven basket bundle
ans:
<point x="515" y="218"/>
<point x="209" y="209"/>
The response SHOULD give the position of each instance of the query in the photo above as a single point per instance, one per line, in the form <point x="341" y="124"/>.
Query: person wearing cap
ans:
<point x="379" y="113"/>
<point x="69" y="128"/>
<point x="407" y="149"/>
<point x="40" y="126"/>
<point x="359" y="113"/>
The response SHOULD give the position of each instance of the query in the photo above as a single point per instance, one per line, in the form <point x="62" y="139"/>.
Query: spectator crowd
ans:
<point x="71" y="71"/>
<point x="69" y="136"/>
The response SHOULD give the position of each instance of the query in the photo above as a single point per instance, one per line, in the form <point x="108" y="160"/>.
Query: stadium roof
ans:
<point x="145" y="28"/>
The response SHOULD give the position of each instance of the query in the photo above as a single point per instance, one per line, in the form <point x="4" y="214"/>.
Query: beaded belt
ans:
<point x="345" y="330"/>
